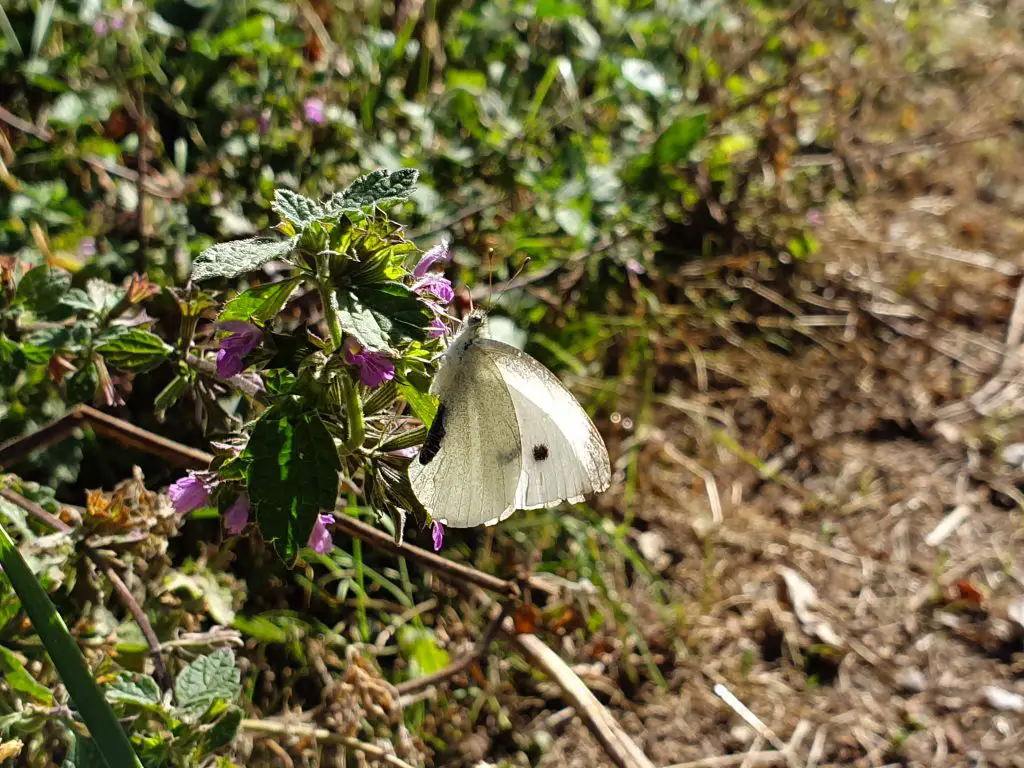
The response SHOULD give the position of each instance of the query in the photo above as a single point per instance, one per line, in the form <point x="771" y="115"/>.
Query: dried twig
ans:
<point x="101" y="562"/>
<point x="616" y="742"/>
<point x="278" y="728"/>
<point x="463" y="662"/>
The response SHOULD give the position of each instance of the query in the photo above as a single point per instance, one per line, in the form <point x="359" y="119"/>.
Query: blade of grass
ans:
<point x="106" y="731"/>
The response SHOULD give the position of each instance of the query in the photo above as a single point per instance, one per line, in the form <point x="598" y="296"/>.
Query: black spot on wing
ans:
<point x="434" y="437"/>
<point x="540" y="452"/>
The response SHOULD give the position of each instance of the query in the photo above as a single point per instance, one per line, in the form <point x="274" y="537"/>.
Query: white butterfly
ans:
<point x="508" y="435"/>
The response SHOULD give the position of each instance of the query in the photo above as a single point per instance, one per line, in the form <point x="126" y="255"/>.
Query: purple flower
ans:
<point x="100" y="27"/>
<point x="87" y="247"/>
<point x="439" y="254"/>
<point x="189" y="493"/>
<point x="634" y="267"/>
<point x="437" y="329"/>
<point x="437" y="531"/>
<point x="117" y="21"/>
<point x="320" y="540"/>
<point x="815" y="218"/>
<point x="374" y="367"/>
<point x="438" y="286"/>
<point x="313" y="109"/>
<point x="264" y="122"/>
<point x="237" y="516"/>
<point x="242" y="340"/>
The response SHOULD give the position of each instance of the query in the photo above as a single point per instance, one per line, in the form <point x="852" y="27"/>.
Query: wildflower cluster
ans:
<point x="324" y="397"/>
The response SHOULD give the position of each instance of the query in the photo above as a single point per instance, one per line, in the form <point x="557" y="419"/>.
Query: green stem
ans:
<point x="106" y="731"/>
<point x="353" y="405"/>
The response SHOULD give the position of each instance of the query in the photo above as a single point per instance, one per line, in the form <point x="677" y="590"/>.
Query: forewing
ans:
<point x="469" y="468"/>
<point x="564" y="457"/>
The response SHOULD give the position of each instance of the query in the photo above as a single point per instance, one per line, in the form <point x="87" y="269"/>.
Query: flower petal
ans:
<point x="320" y="540"/>
<point x="237" y="516"/>
<point x="437" y="533"/>
<point x="439" y="254"/>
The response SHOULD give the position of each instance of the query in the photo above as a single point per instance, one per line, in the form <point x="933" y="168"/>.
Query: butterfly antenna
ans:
<point x="511" y="282"/>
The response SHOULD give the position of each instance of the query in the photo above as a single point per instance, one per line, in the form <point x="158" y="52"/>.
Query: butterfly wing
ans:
<point x="563" y="455"/>
<point x="468" y="469"/>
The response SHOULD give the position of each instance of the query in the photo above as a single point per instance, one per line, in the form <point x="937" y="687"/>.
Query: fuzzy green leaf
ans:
<point x="237" y="257"/>
<point x="296" y="208"/>
<point x="136" y="350"/>
<point x="206" y="680"/>
<point x="292" y="476"/>
<point x="384" y="315"/>
<point x="223" y="731"/>
<point x="135" y="690"/>
<point x="42" y="289"/>
<point x="424" y="405"/>
<point x="261" y="303"/>
<point x="377" y="188"/>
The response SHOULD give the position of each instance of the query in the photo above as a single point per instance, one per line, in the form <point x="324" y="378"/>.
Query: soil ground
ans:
<point x="874" y="461"/>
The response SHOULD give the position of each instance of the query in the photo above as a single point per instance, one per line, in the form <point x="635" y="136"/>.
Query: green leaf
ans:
<point x="18" y="678"/>
<point x="170" y="394"/>
<point x="82" y="384"/>
<point x="83" y="753"/>
<point x="418" y="645"/>
<point x="223" y="731"/>
<point x="41" y="289"/>
<point x="296" y="208"/>
<point x="237" y="257"/>
<point x="78" y="299"/>
<point x="383" y="315"/>
<point x="558" y="9"/>
<point x="136" y="350"/>
<point x="206" y="680"/>
<point x="680" y="137"/>
<point x="261" y="303"/>
<point x="135" y="690"/>
<point x="293" y="475"/>
<point x="643" y="75"/>
<point x="424" y="405"/>
<point x="378" y="188"/>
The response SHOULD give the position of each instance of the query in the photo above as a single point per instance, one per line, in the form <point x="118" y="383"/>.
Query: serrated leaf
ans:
<point x="78" y="299"/>
<point x="136" y="350"/>
<point x="18" y="678"/>
<point x="134" y="690"/>
<point x="377" y="188"/>
<point x="292" y="476"/>
<point x="296" y="208"/>
<point x="237" y="257"/>
<point x="41" y="289"/>
<point x="384" y="315"/>
<point x="261" y="303"/>
<point x="224" y="730"/>
<point x="206" y="680"/>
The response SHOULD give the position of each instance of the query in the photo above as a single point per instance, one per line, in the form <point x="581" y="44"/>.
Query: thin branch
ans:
<point x="110" y="426"/>
<point x="616" y="742"/>
<point x="278" y="728"/>
<point x="101" y="562"/>
<point x="462" y="663"/>
<point x="44" y="134"/>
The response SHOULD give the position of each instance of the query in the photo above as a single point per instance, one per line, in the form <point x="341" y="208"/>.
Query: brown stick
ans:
<point x="120" y="587"/>
<point x="616" y="742"/>
<point x="463" y="662"/>
<point x="286" y="729"/>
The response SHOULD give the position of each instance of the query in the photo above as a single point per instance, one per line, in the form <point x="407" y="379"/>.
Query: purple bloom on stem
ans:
<point x="635" y="267"/>
<point x="237" y="516"/>
<point x="117" y="21"/>
<point x="189" y="493"/>
<point x="437" y="531"/>
<point x="87" y="247"/>
<point x="374" y="367"/>
<point x="243" y="339"/>
<point x="437" y="329"/>
<point x="100" y="27"/>
<point x="320" y="540"/>
<point x="313" y="109"/>
<point x="437" y="286"/>
<point x="439" y="254"/>
<point x="264" y="122"/>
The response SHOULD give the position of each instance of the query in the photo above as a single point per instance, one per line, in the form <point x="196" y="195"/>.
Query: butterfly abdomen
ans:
<point x="434" y="437"/>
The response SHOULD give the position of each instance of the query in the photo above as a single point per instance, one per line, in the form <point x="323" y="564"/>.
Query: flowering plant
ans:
<point x="327" y="400"/>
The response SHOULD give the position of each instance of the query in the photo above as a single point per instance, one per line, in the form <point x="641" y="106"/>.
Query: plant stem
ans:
<point x="106" y="731"/>
<point x="353" y="405"/>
